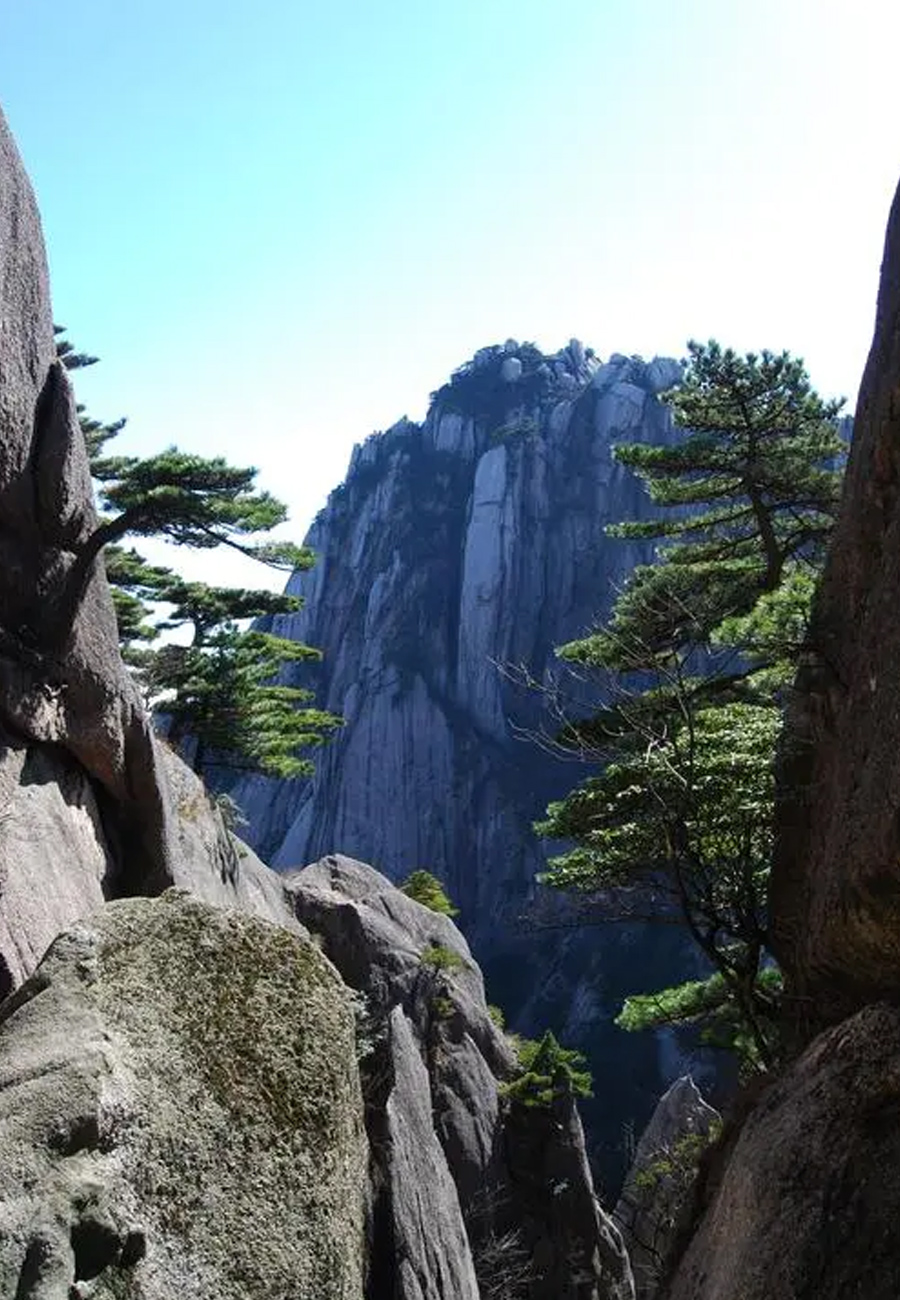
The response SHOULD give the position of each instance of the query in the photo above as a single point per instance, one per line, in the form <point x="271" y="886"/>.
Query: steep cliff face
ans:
<point x="472" y="541"/>
<point x="800" y="1201"/>
<point x="835" y="882"/>
<point x="456" y="548"/>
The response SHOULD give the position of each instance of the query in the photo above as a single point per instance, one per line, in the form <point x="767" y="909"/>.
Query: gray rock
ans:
<point x="434" y="1261"/>
<point x="576" y="1249"/>
<point x="161" y="1131"/>
<point x="377" y="938"/>
<point x="662" y="373"/>
<point x="61" y="856"/>
<point x="511" y="370"/>
<point x="657" y="1199"/>
<point x="62" y="681"/>
<point x="516" y="1182"/>
<point x="55" y="863"/>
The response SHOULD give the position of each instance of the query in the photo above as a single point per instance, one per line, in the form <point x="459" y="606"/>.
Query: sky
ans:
<point x="281" y="225"/>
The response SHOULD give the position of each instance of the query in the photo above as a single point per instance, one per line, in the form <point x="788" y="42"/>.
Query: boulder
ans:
<point x="180" y="1114"/>
<point x="62" y="854"/>
<point x="835" y="893"/>
<point x="808" y="1205"/>
<point x="398" y="954"/>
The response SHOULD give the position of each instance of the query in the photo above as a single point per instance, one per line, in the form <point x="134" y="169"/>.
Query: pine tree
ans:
<point x="222" y="695"/>
<point x="749" y="491"/>
<point x="693" y="657"/>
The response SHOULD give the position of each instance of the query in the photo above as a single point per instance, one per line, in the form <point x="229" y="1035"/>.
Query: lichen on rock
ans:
<point x="178" y="1086"/>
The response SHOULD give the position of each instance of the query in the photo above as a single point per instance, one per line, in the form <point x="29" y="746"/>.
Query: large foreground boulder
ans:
<point x="836" y="877"/>
<point x="808" y="1207"/>
<point x="180" y="1114"/>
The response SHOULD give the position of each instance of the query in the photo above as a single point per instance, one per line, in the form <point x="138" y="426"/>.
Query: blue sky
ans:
<point x="282" y="224"/>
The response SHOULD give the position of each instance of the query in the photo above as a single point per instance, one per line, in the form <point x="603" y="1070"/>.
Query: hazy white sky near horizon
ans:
<point x="282" y="224"/>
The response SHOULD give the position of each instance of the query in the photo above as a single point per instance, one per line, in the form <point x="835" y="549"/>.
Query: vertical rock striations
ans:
<point x="454" y="548"/>
<point x="655" y="1206"/>
<point x="180" y="1101"/>
<point x="457" y="548"/>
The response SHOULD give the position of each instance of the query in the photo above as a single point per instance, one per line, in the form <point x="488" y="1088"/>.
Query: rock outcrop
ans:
<point x="473" y="1198"/>
<point x="657" y="1199"/>
<point x="836" y="880"/>
<point x="454" y="548"/>
<point x="180" y="1114"/>
<point x="92" y="805"/>
<point x="62" y="681"/>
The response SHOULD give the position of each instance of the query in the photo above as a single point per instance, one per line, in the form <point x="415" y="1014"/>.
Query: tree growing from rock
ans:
<point x="223" y="690"/>
<point x="693" y="659"/>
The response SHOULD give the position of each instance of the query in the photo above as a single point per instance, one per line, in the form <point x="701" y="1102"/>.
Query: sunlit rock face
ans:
<point x="455" y="556"/>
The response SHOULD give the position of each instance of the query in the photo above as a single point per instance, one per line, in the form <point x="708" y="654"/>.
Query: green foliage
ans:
<point x="224" y="690"/>
<point x="677" y="1165"/>
<point x="194" y="501"/>
<point x="520" y="428"/>
<point x="694" y="657"/>
<point x="749" y="488"/>
<point x="438" y="957"/>
<point x="428" y="890"/>
<point x="224" y="694"/>
<point x="702" y="795"/>
<point x="710" y="1004"/>
<point x="549" y="1071"/>
<point x="496" y="1015"/>
<point x="442" y="1007"/>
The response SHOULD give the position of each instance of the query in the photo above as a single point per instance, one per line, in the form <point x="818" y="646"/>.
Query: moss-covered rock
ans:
<point x="180" y="1114"/>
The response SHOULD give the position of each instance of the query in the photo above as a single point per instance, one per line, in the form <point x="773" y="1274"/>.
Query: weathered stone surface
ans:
<point x="62" y="681"/>
<point x="61" y="855"/>
<point x="433" y="1259"/>
<point x="212" y="862"/>
<point x="398" y="954"/>
<point x="472" y="541"/>
<point x="654" y="1208"/>
<point x="463" y="1159"/>
<point x="54" y="859"/>
<point x="180" y="1114"/>
<point x="836" y="880"/>
<point x="576" y="1249"/>
<point x="808" y="1207"/>
<point x="375" y="935"/>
